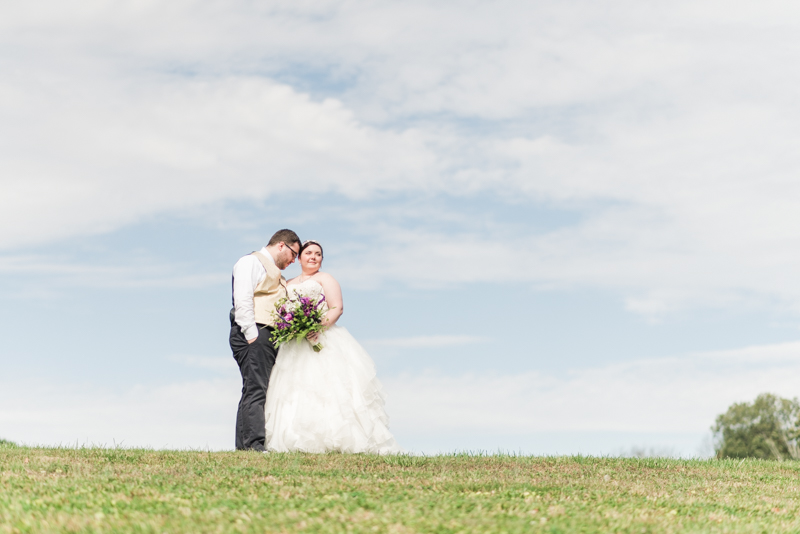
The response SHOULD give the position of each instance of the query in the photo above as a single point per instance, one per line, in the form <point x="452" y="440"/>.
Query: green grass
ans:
<point x="130" y="490"/>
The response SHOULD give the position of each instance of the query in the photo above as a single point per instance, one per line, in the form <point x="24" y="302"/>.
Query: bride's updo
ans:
<point x="308" y="243"/>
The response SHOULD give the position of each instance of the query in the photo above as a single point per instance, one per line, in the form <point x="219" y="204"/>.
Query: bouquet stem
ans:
<point x="317" y="347"/>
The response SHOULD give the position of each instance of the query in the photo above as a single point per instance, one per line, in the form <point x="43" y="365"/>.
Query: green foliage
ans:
<point x="143" y="491"/>
<point x="297" y="317"/>
<point x="767" y="428"/>
<point x="5" y="444"/>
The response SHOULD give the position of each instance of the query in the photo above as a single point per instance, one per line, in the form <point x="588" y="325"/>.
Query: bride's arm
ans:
<point x="333" y="295"/>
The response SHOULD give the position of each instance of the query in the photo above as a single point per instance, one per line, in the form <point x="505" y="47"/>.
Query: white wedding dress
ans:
<point x="329" y="400"/>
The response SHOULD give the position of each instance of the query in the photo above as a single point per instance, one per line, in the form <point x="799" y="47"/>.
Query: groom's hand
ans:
<point x="251" y="341"/>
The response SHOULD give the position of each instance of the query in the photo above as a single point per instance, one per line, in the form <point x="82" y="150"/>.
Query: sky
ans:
<point x="560" y="227"/>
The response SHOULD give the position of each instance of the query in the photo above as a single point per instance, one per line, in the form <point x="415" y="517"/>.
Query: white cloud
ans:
<point x="424" y="341"/>
<point x="116" y="156"/>
<point x="63" y="273"/>
<point x="197" y="414"/>
<point x="670" y="128"/>
<point x="674" y="396"/>
<point x="680" y="394"/>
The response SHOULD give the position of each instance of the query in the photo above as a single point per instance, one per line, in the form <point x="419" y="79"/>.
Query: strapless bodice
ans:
<point x="309" y="288"/>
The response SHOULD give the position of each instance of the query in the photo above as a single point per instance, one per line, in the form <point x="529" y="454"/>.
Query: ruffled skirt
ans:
<point x="327" y="401"/>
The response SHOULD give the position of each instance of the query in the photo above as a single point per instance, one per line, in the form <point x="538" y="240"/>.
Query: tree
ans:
<point x="768" y="428"/>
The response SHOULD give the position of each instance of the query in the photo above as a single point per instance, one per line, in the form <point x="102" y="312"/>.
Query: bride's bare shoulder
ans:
<point x="325" y="277"/>
<point x="327" y="281"/>
<point x="292" y="281"/>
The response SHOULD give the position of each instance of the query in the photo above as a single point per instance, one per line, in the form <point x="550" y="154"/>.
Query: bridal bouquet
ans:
<point x="296" y="318"/>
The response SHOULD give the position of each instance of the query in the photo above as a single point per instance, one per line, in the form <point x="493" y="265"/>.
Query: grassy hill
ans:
<point x="126" y="490"/>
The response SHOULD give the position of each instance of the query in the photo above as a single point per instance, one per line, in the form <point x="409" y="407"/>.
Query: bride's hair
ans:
<point x="310" y="242"/>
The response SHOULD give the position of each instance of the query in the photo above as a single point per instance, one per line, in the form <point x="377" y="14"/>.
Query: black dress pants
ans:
<point x="255" y="364"/>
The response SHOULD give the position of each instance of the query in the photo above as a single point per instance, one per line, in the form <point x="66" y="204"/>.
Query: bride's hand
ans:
<point x="313" y="337"/>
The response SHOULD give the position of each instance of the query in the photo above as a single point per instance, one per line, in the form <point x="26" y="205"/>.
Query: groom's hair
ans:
<point x="284" y="236"/>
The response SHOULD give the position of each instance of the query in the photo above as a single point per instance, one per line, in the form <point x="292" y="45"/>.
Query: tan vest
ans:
<point x="268" y="292"/>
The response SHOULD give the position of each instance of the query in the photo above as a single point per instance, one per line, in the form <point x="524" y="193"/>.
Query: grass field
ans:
<point x="128" y="490"/>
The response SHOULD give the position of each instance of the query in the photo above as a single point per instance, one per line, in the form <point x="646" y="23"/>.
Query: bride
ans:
<point x="329" y="400"/>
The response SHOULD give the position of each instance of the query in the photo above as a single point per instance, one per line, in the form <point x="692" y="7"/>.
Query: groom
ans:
<point x="257" y="285"/>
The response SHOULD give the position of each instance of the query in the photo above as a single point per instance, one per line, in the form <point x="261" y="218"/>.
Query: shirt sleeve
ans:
<point x="248" y="273"/>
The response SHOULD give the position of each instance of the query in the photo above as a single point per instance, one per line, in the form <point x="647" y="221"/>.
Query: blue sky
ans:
<point x="559" y="228"/>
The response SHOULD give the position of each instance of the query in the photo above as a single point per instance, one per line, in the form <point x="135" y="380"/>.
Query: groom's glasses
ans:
<point x="294" y="254"/>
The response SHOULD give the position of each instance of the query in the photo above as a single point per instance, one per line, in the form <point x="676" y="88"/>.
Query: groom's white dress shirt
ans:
<point x="248" y="273"/>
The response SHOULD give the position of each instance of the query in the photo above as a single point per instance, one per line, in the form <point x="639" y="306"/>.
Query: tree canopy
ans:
<point x="767" y="428"/>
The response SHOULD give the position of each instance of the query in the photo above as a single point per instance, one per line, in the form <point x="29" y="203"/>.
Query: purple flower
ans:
<point x="288" y="317"/>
